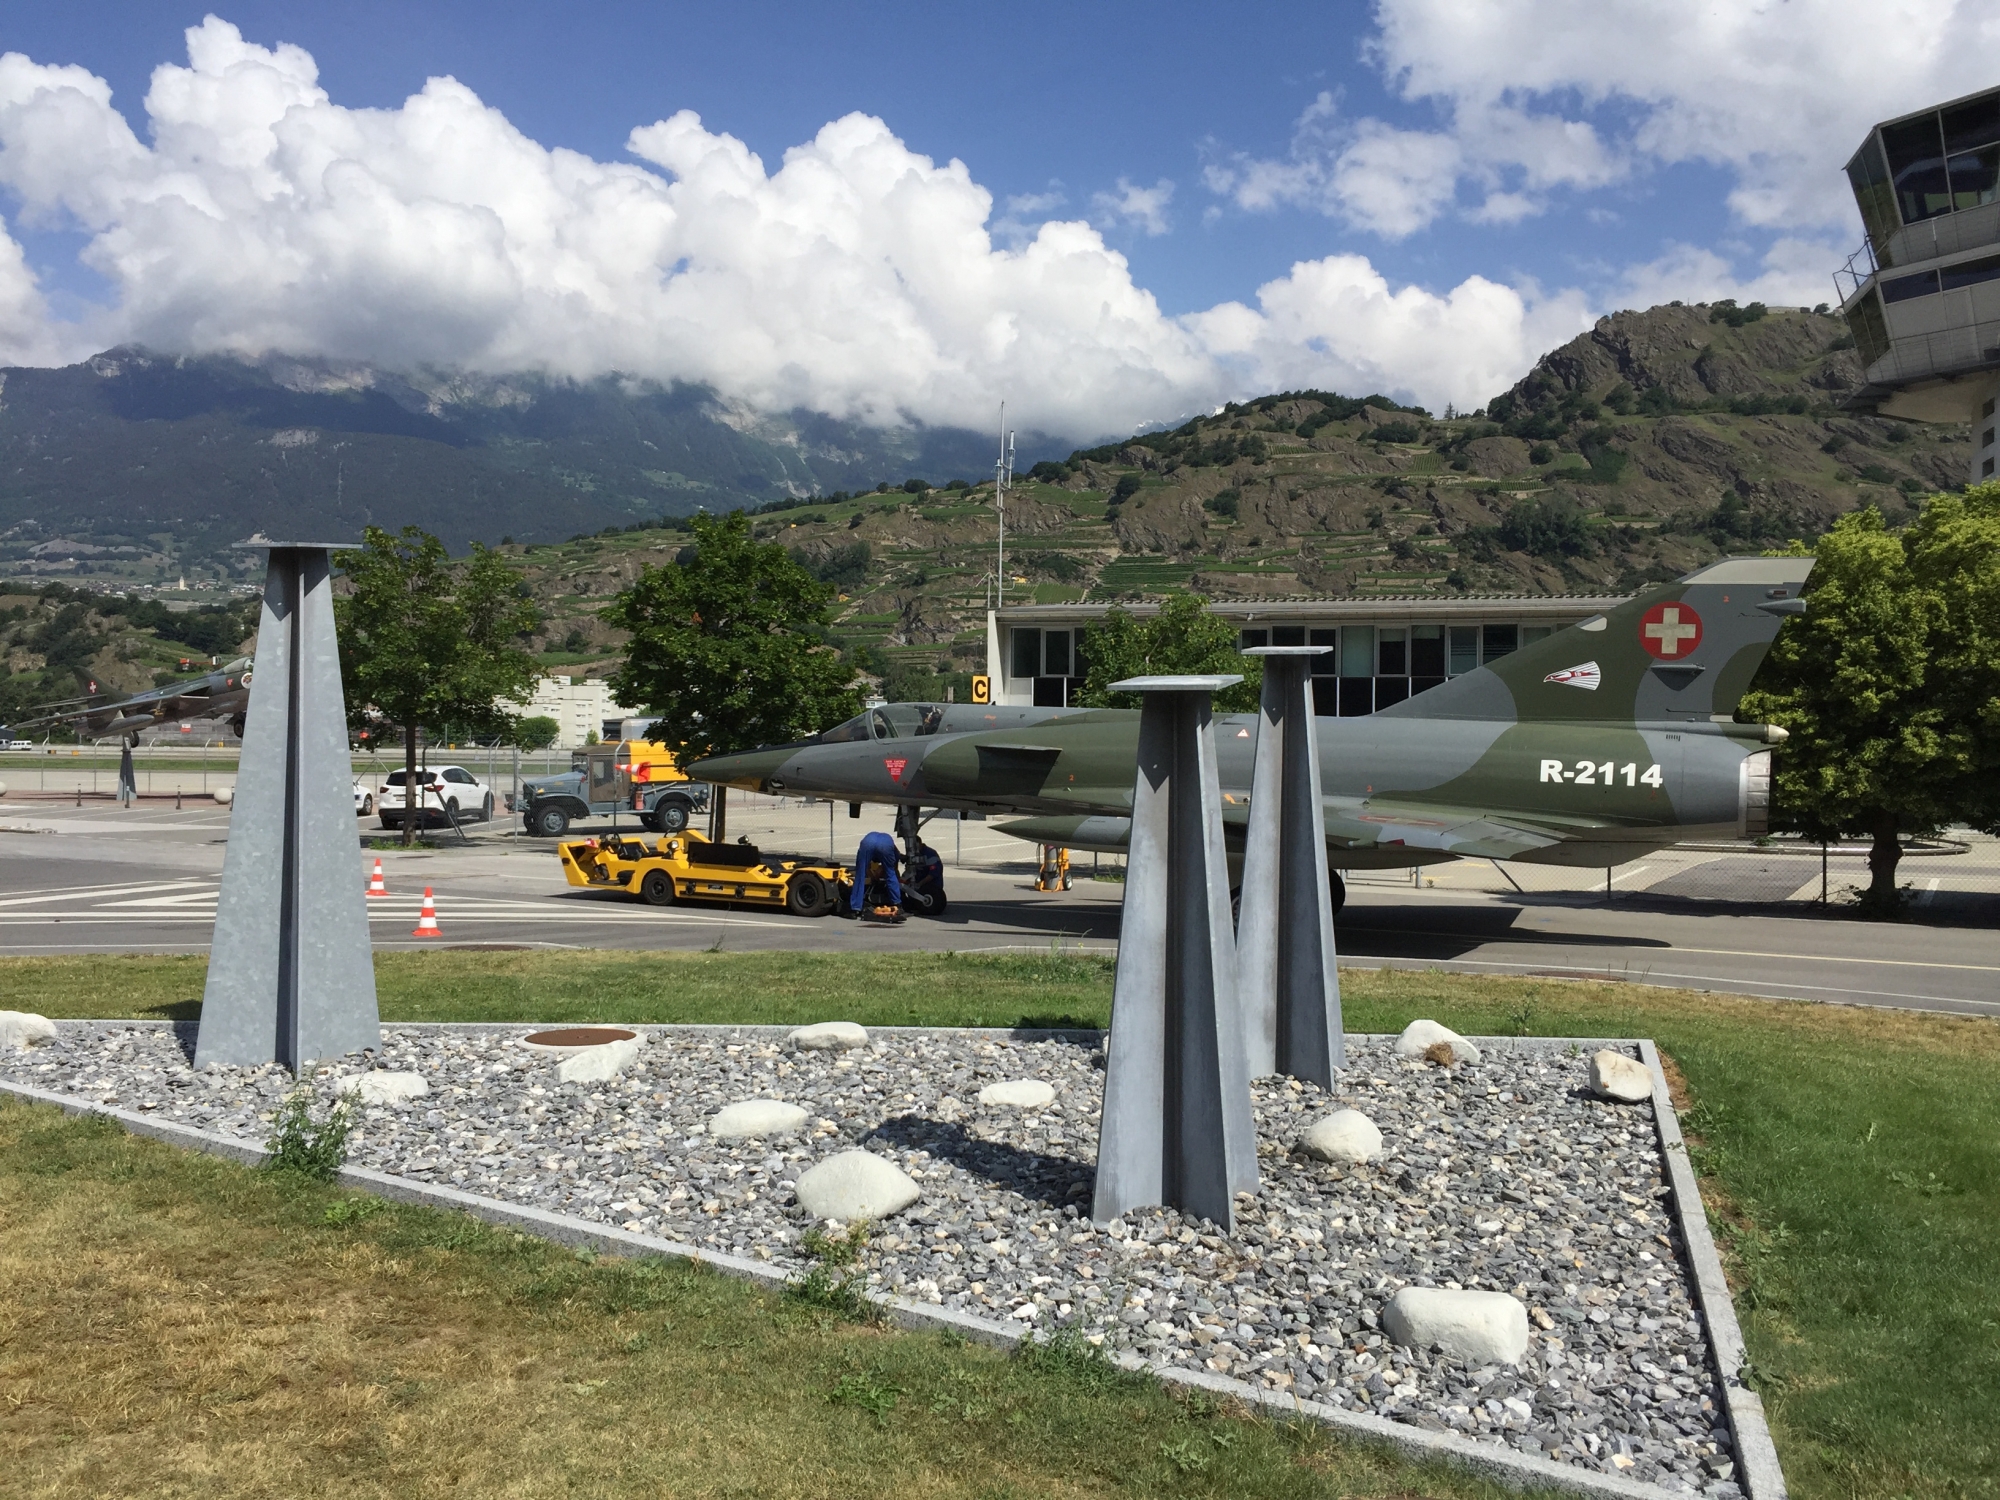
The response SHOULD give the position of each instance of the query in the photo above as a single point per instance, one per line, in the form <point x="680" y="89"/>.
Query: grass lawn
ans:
<point x="1851" y="1159"/>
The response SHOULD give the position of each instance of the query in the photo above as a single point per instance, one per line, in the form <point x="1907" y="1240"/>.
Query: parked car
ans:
<point x="441" y="792"/>
<point x="364" y="800"/>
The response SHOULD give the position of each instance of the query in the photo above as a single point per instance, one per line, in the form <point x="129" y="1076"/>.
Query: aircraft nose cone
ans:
<point x="749" y="770"/>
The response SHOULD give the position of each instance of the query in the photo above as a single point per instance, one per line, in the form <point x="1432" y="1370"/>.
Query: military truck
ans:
<point x="636" y="776"/>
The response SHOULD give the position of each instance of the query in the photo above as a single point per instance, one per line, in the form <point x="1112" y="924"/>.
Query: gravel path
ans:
<point x="1503" y="1175"/>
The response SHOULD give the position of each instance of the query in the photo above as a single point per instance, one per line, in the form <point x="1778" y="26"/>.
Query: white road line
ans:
<point x="122" y="888"/>
<point x="1631" y="874"/>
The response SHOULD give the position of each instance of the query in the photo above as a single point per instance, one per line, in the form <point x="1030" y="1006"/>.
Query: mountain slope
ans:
<point x="143" y="465"/>
<point x="1652" y="444"/>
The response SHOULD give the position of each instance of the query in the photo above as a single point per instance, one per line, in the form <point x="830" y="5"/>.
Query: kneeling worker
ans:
<point x="877" y="890"/>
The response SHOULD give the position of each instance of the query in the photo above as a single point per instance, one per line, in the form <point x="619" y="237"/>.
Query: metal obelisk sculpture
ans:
<point x="291" y="977"/>
<point x="1286" y="973"/>
<point x="1177" y="1128"/>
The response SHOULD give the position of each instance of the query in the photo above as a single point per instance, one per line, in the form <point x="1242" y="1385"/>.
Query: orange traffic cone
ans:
<point x="375" y="885"/>
<point x="427" y="919"/>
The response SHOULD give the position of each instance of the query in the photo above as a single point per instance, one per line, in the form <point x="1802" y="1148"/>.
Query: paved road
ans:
<point x="145" y="881"/>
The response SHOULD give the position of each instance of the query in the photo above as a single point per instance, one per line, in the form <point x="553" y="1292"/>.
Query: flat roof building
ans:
<point x="1922" y="294"/>
<point x="1383" y="649"/>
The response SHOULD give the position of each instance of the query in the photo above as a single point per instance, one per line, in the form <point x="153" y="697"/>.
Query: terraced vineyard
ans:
<point x="1656" y="442"/>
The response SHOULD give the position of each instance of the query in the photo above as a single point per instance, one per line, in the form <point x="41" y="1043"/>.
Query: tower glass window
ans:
<point x="1868" y="174"/>
<point x="1915" y="149"/>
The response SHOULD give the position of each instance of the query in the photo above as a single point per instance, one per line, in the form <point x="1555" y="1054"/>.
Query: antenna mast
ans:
<point x="1003" y="473"/>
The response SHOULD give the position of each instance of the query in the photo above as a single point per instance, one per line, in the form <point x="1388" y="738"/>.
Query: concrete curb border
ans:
<point x="1758" y="1471"/>
<point x="1756" y="1455"/>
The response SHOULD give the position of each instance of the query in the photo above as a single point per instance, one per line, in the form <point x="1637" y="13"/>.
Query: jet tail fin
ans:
<point x="1683" y="650"/>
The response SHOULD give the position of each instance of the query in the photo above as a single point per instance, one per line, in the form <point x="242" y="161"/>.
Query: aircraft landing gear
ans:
<point x="923" y="871"/>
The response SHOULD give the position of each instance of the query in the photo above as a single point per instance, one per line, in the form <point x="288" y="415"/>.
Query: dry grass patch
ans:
<point x="179" y="1326"/>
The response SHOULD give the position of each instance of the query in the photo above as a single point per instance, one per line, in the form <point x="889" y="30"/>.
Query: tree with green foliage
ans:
<point x="428" y="642"/>
<point x="536" y="733"/>
<point x="729" y="644"/>
<point x="1890" y="684"/>
<point x="1182" y="638"/>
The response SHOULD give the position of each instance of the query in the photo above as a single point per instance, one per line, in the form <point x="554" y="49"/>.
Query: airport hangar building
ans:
<point x="1382" y="650"/>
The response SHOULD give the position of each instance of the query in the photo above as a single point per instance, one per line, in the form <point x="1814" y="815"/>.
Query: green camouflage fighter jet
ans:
<point x="1595" y="746"/>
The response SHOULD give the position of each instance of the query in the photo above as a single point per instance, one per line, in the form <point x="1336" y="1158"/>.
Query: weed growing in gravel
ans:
<point x="313" y="1149"/>
<point x="837" y="1249"/>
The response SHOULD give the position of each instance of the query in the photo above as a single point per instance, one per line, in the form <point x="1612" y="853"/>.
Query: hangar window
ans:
<point x="1288" y="635"/>
<point x="1501" y="639"/>
<point x="1254" y="638"/>
<point x="1464" y="649"/>
<point x="1027" y="655"/>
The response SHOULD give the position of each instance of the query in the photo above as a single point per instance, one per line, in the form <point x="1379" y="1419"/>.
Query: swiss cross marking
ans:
<point x="894" y="766"/>
<point x="1670" y="631"/>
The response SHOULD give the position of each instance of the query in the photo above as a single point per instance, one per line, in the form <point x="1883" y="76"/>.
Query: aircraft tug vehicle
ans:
<point x="685" y="866"/>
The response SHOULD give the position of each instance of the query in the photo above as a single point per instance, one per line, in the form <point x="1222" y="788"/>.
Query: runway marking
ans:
<point x="1632" y="874"/>
<point x="124" y="887"/>
<point x="1554" y="940"/>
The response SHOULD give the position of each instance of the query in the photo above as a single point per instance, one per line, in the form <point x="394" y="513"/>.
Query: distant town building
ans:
<point x="1922" y="294"/>
<point x="581" y="708"/>
<point x="1382" y="650"/>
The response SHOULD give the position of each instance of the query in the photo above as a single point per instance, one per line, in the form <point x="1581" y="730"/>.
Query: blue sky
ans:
<point x="1464" y="187"/>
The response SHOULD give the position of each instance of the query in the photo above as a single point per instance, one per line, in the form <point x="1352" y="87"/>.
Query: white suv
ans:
<point x="441" y="791"/>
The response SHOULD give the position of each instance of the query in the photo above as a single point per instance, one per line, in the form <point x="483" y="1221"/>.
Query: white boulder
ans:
<point x="1420" y="1036"/>
<point x="1018" y="1093"/>
<point x="829" y="1036"/>
<point x="1613" y="1075"/>
<point x="22" y="1029"/>
<point x="225" y="794"/>
<point x="856" y="1185"/>
<point x="1346" y="1136"/>
<point x="1475" y="1328"/>
<point x="383" y="1087"/>
<point x="605" y="1060"/>
<point x="756" y="1117"/>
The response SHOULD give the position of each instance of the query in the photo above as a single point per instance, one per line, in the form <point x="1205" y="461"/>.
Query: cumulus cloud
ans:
<point x="1792" y="273"/>
<point x="1536" y="96"/>
<point x="855" y="277"/>
<point x="1337" y="324"/>
<point x="1144" y="208"/>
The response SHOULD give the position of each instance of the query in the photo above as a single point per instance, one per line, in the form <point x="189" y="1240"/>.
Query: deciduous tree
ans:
<point x="1183" y="638"/>
<point x="1890" y="683"/>
<point x="728" y="644"/>
<point x="428" y="642"/>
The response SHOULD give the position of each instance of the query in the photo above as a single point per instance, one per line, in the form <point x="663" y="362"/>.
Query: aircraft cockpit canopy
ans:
<point x="892" y="721"/>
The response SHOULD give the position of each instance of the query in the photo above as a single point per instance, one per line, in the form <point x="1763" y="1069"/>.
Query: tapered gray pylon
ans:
<point x="1176" y="1128"/>
<point x="291" y="977"/>
<point x="1286" y="972"/>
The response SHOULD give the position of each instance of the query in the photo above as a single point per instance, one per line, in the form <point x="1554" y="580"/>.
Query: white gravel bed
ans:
<point x="1503" y="1175"/>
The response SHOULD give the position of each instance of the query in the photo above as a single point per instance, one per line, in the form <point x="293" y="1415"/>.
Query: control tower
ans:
<point x="1922" y="295"/>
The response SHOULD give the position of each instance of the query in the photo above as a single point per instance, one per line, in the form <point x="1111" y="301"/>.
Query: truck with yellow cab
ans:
<point x="685" y="866"/>
<point x="639" y="776"/>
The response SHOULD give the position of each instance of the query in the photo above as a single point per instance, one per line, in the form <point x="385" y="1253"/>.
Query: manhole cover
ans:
<point x="579" y="1036"/>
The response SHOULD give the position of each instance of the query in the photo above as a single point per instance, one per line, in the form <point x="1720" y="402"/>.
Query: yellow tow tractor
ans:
<point x="685" y="866"/>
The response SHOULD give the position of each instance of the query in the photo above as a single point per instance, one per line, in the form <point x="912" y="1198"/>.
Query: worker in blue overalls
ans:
<point x="877" y="854"/>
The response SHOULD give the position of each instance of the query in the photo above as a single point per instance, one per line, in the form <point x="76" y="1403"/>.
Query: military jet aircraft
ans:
<point x="1607" y="740"/>
<point x="221" y="694"/>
